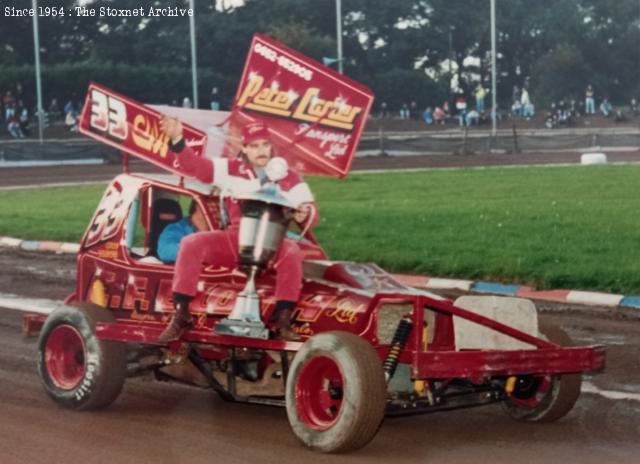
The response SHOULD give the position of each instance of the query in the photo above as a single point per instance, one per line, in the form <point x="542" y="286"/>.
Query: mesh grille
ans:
<point x="390" y="315"/>
<point x="388" y="318"/>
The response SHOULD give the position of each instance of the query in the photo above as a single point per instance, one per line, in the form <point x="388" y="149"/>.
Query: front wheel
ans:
<point x="545" y="398"/>
<point x="77" y="370"/>
<point x="336" y="392"/>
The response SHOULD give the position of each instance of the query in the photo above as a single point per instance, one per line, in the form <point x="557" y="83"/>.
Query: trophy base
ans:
<point x="251" y="329"/>
<point x="244" y="320"/>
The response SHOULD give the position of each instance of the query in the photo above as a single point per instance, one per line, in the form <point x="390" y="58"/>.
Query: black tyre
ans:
<point x="545" y="398"/>
<point x="77" y="370"/>
<point x="336" y="393"/>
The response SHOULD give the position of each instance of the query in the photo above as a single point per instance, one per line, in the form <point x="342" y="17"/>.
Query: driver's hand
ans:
<point x="301" y="214"/>
<point x="172" y="128"/>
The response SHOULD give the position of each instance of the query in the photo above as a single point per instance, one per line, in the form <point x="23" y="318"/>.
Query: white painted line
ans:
<point x="67" y="140"/>
<point x="29" y="305"/>
<point x="10" y="242"/>
<point x="449" y="284"/>
<point x="376" y="152"/>
<point x="588" y="387"/>
<point x="39" y="163"/>
<point x="483" y="168"/>
<point x="58" y="184"/>
<point x="594" y="298"/>
<point x="70" y="247"/>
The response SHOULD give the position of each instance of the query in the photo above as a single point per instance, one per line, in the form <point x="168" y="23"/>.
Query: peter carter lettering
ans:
<point x="336" y="113"/>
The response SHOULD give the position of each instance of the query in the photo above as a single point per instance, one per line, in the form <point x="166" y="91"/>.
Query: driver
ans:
<point x="172" y="235"/>
<point x="220" y="248"/>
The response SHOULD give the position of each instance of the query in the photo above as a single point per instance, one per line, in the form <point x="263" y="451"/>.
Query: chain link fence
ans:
<point x="469" y="143"/>
<point x="76" y="150"/>
<point x="15" y="153"/>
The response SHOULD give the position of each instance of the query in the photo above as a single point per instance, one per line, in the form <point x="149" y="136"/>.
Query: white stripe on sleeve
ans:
<point x="220" y="172"/>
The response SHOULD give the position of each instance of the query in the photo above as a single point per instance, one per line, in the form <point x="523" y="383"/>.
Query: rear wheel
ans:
<point x="77" y="370"/>
<point x="545" y="398"/>
<point x="336" y="392"/>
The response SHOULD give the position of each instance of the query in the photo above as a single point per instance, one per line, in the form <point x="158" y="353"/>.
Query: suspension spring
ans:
<point x="400" y="339"/>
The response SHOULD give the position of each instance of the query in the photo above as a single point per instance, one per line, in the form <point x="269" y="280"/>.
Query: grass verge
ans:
<point x="560" y="227"/>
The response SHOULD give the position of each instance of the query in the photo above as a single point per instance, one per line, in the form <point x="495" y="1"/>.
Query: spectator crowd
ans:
<point x="464" y="109"/>
<point x="15" y="114"/>
<point x="564" y="112"/>
<point x="18" y="118"/>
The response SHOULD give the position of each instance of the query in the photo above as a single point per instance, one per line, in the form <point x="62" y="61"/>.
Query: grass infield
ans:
<point x="550" y="227"/>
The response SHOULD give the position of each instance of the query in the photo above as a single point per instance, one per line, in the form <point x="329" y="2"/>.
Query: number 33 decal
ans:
<point x="110" y="214"/>
<point x="108" y="114"/>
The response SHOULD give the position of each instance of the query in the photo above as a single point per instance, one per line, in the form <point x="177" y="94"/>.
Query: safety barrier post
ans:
<point x="381" y="138"/>
<point x="516" y="148"/>
<point x="464" y="140"/>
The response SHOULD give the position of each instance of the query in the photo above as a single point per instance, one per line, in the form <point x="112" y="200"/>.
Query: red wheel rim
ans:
<point x="530" y="391"/>
<point x="64" y="357"/>
<point x="319" y="391"/>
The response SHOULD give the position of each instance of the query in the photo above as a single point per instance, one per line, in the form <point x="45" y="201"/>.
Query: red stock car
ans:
<point x="371" y="346"/>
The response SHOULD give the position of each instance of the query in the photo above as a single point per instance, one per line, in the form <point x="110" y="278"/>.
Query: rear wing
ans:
<point x="316" y="115"/>
<point x="132" y="127"/>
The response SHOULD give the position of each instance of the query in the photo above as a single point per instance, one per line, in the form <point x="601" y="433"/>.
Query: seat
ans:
<point x="164" y="211"/>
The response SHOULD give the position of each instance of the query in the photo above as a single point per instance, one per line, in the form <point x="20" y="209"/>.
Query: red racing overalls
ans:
<point x="220" y="247"/>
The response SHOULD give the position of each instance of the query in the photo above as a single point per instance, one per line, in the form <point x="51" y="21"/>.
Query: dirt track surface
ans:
<point x="99" y="173"/>
<point x="153" y="422"/>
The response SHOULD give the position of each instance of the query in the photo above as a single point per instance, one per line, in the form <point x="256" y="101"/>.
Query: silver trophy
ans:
<point x="262" y="228"/>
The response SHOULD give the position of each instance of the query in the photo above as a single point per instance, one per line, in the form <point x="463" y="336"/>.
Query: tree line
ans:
<point x="404" y="50"/>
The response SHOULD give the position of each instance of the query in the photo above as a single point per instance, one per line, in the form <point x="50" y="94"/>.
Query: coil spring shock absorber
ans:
<point x="397" y="345"/>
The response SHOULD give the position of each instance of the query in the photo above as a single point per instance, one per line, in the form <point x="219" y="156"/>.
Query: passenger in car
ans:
<point x="172" y="235"/>
<point x="243" y="174"/>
